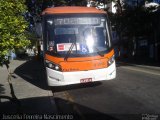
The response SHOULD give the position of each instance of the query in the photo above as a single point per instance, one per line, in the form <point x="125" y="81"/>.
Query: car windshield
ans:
<point x="80" y="35"/>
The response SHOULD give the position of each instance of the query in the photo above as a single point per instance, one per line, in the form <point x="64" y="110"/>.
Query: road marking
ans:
<point x="140" y="70"/>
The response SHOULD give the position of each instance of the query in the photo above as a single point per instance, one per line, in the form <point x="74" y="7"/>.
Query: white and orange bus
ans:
<point x="77" y="46"/>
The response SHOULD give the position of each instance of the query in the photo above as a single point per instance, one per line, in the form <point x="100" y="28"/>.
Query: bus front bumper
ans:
<point x="57" y="78"/>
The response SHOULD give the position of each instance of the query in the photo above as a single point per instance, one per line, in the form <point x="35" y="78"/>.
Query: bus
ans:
<point x="77" y="45"/>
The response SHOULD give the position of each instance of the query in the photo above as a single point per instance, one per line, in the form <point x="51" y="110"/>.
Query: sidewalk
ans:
<point x="139" y="62"/>
<point x="28" y="86"/>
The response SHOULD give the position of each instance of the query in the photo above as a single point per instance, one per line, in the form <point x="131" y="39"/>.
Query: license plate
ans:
<point x="85" y="80"/>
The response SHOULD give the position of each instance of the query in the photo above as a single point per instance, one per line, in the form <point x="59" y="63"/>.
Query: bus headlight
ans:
<point x="111" y="60"/>
<point x="53" y="66"/>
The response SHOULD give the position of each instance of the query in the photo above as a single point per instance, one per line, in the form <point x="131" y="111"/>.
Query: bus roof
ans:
<point x="71" y="9"/>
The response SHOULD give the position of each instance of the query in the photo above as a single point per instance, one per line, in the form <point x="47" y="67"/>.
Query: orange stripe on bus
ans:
<point x="81" y="63"/>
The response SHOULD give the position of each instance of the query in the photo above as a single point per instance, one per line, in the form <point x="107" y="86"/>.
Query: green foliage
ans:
<point x="12" y="26"/>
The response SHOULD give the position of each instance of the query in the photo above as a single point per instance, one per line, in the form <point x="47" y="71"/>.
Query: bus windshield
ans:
<point x="80" y="35"/>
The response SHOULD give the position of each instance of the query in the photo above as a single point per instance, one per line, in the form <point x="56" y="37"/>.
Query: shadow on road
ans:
<point x="80" y="111"/>
<point x="36" y="106"/>
<point x="75" y="86"/>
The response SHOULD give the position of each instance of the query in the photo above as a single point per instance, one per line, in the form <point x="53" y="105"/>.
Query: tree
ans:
<point x="12" y="27"/>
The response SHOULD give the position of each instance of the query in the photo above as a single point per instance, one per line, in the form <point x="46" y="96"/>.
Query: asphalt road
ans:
<point x="133" y="95"/>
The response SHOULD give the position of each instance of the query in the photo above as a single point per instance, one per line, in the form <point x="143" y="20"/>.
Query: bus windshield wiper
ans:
<point x="99" y="52"/>
<point x="69" y="51"/>
<point x="71" y="48"/>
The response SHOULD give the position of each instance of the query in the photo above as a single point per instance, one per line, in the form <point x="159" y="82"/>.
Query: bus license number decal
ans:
<point x="66" y="47"/>
<point x="85" y="80"/>
<point x="60" y="47"/>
